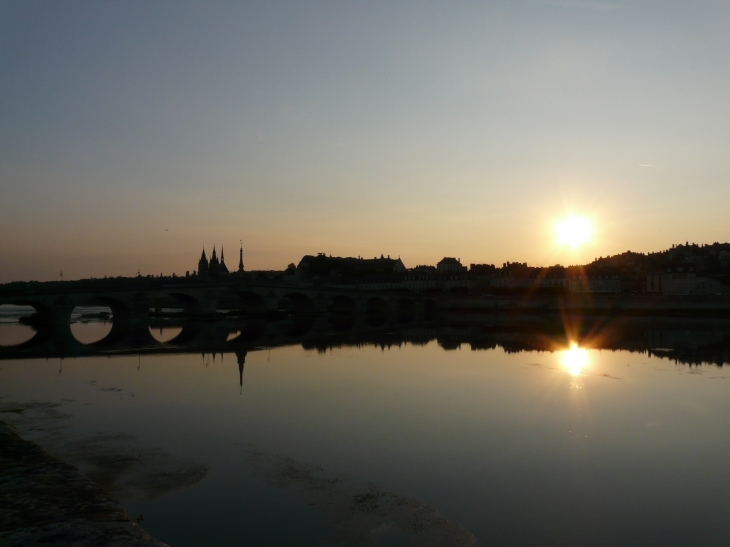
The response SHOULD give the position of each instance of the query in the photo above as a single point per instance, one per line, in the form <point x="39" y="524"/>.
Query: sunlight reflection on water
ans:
<point x="575" y="359"/>
<point x="298" y="443"/>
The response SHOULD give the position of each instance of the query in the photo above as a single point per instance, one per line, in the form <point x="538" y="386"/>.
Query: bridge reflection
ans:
<point x="687" y="341"/>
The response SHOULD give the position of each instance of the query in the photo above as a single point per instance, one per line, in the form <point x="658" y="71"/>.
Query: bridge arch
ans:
<point x="376" y="305"/>
<point x="164" y="332"/>
<point x="16" y="329"/>
<point x="342" y="322"/>
<point x="251" y="302"/>
<point x="297" y="303"/>
<point x="248" y="332"/>
<point x="297" y="325"/>
<point x="342" y="305"/>
<point x="164" y="306"/>
<point x="122" y="314"/>
<point x="100" y="320"/>
<point x="376" y="310"/>
<point x="190" y="304"/>
<point x="406" y="310"/>
<point x="50" y="319"/>
<point x="190" y="331"/>
<point x="42" y="311"/>
<point x="429" y="309"/>
<point x="119" y="309"/>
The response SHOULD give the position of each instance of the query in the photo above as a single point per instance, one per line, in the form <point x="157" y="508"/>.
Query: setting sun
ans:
<point x="574" y="231"/>
<point x="575" y="359"/>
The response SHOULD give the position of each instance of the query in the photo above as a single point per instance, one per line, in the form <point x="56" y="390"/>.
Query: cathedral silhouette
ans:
<point x="214" y="268"/>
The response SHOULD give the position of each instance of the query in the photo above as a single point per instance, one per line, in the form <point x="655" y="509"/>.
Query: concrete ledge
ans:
<point x="46" y="501"/>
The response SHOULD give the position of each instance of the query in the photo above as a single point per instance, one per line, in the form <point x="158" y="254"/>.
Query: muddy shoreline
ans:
<point x="44" y="500"/>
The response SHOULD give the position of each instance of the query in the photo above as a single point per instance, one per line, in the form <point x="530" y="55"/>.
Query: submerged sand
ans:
<point x="355" y="513"/>
<point x="361" y="514"/>
<point x="117" y="462"/>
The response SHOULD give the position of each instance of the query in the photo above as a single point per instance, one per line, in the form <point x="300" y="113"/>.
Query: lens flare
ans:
<point x="573" y="231"/>
<point x="575" y="359"/>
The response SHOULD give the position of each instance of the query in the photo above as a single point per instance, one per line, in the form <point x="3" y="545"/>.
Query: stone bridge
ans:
<point x="297" y="307"/>
<point x="133" y="303"/>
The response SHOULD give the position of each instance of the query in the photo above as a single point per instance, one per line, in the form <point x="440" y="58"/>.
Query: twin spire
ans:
<point x="214" y="268"/>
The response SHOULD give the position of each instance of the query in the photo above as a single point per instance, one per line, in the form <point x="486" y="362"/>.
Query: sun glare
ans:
<point x="573" y="231"/>
<point x="575" y="359"/>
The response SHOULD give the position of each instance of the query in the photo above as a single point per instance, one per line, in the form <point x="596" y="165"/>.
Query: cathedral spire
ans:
<point x="203" y="265"/>
<point x="213" y="265"/>
<point x="222" y="268"/>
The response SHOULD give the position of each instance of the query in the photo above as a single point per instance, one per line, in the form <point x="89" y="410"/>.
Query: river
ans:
<point x="406" y="437"/>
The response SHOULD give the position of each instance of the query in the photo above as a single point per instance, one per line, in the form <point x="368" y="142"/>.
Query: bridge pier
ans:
<point x="206" y="309"/>
<point x="321" y="303"/>
<point x="57" y="312"/>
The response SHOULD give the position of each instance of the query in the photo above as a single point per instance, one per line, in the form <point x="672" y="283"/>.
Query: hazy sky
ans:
<point x="132" y="133"/>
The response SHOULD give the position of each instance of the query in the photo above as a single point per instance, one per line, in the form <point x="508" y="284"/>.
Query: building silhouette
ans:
<point x="215" y="268"/>
<point x="450" y="264"/>
<point x="203" y="266"/>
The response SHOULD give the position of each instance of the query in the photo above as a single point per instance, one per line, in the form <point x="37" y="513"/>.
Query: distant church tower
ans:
<point x="240" y="260"/>
<point x="222" y="268"/>
<point x="213" y="265"/>
<point x="203" y="266"/>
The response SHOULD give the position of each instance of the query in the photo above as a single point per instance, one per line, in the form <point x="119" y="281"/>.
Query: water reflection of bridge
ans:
<point x="684" y="340"/>
<point x="195" y="336"/>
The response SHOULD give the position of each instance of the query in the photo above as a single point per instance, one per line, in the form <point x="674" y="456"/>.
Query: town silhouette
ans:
<point x="673" y="304"/>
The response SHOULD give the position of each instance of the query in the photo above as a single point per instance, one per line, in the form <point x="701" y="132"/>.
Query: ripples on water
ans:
<point x="422" y="436"/>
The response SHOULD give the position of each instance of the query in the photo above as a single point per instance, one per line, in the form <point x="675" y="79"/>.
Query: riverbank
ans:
<point x="580" y="305"/>
<point x="44" y="500"/>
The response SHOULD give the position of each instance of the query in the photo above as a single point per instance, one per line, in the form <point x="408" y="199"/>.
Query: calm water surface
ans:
<point x="572" y="447"/>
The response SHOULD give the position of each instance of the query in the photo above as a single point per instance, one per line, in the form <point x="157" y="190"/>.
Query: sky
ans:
<point x="132" y="134"/>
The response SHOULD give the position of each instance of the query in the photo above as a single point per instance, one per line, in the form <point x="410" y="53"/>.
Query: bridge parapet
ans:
<point x="203" y="300"/>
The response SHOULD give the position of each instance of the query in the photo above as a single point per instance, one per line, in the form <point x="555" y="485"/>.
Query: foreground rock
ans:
<point x="46" y="501"/>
